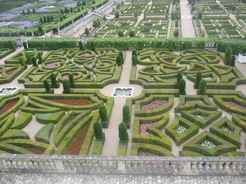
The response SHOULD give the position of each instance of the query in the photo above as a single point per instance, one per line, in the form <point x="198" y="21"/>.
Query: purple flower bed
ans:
<point x="154" y="105"/>
<point x="8" y="16"/>
<point x="72" y="5"/>
<point x="215" y="7"/>
<point x="65" y="1"/>
<point x="148" y="24"/>
<point x="52" y="64"/>
<point x="236" y="105"/>
<point x="190" y="101"/>
<point x="2" y="25"/>
<point x="229" y="7"/>
<point x="145" y="30"/>
<point x="144" y="127"/>
<point x="126" y="24"/>
<point x="143" y="153"/>
<point x="24" y="24"/>
<point x="22" y="7"/>
<point x="42" y="10"/>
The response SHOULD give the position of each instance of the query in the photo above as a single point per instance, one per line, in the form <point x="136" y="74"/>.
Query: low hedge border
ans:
<point x="97" y="147"/>
<point x="239" y="121"/>
<point x="22" y="120"/>
<point x="189" y="154"/>
<point x="43" y="135"/>
<point x="5" y="51"/>
<point x="5" y="78"/>
<point x="192" y="130"/>
<point x="122" y="148"/>
<point x="6" y="123"/>
<point x="232" y="138"/>
<point x="221" y="147"/>
<point x="47" y="118"/>
<point x="158" y="137"/>
<point x="14" y="134"/>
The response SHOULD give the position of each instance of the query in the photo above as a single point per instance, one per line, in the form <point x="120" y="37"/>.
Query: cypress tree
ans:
<point x="118" y="60"/>
<point x="87" y="32"/>
<point x="28" y="57"/>
<point x="202" y="86"/>
<point x="121" y="54"/>
<point x="81" y="46"/>
<point x="53" y="79"/>
<point x="46" y="85"/>
<point x="22" y="62"/>
<point x="182" y="86"/>
<point x="126" y="114"/>
<point x="228" y="55"/>
<point x="233" y="59"/>
<point x="34" y="63"/>
<point x="198" y="79"/>
<point x="179" y="77"/>
<point x="71" y="79"/>
<point x="103" y="113"/>
<point x="40" y="59"/>
<point x="134" y="52"/>
<point x="98" y="130"/>
<point x="66" y="86"/>
<point x="123" y="134"/>
<point x="25" y="45"/>
<point x="11" y="45"/>
<point x="134" y="60"/>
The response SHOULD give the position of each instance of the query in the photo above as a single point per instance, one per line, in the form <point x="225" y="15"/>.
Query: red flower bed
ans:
<point x="198" y="69"/>
<point x="154" y="105"/>
<point x="75" y="146"/>
<point x="11" y="71"/>
<point x="35" y="151"/>
<point x="72" y="102"/>
<point x="8" y="106"/>
<point x="169" y="61"/>
<point x="150" y="71"/>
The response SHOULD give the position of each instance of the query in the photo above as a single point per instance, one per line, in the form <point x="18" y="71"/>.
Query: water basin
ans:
<point x="8" y="90"/>
<point x="122" y="92"/>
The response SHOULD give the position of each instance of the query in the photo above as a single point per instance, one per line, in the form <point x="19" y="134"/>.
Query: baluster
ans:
<point x="226" y="167"/>
<point x="194" y="167"/>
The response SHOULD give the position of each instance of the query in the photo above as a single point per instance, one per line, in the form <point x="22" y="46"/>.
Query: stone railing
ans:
<point x="123" y="165"/>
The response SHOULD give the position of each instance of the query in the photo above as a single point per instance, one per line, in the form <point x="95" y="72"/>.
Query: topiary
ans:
<point x="117" y="14"/>
<point x="71" y="79"/>
<point x="53" y="79"/>
<point x="202" y="86"/>
<point x="123" y="134"/>
<point x="66" y="86"/>
<point x="81" y="46"/>
<point x="228" y="55"/>
<point x="182" y="86"/>
<point x="118" y="60"/>
<point x="98" y="130"/>
<point x="40" y="59"/>
<point x="121" y="54"/>
<point x="46" y="85"/>
<point x="103" y="113"/>
<point x="126" y="114"/>
<point x="233" y="59"/>
<point x="198" y="79"/>
<point x="179" y="77"/>
<point x="22" y="62"/>
<point x="25" y="45"/>
<point x="28" y="57"/>
<point x="34" y="63"/>
<point x="11" y="45"/>
<point x="134" y="60"/>
<point x="134" y="53"/>
<point x="131" y="33"/>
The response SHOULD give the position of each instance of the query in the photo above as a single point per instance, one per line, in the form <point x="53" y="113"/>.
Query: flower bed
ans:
<point x="72" y="102"/>
<point x="11" y="71"/>
<point x="181" y="129"/>
<point x="208" y="144"/>
<point x="154" y="105"/>
<point x="226" y="129"/>
<point x="235" y="105"/>
<point x="143" y="153"/>
<point x="144" y="127"/>
<point x="75" y="146"/>
<point x="35" y="151"/>
<point x="8" y="106"/>
<point x="52" y="64"/>
<point x="190" y="101"/>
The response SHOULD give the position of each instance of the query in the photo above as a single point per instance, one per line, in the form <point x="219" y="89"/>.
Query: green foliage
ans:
<point x="66" y="86"/>
<point x="34" y="63"/>
<point x="119" y="60"/>
<point x="22" y="62"/>
<point x="176" y="33"/>
<point x="103" y="113"/>
<point x="126" y="114"/>
<point x="11" y="45"/>
<point x="182" y="86"/>
<point x="198" y="79"/>
<point x="40" y="30"/>
<point x="25" y="45"/>
<point x="71" y="79"/>
<point x="87" y="32"/>
<point x="134" y="53"/>
<point x="28" y="57"/>
<point x="134" y="60"/>
<point x="233" y="59"/>
<point x="81" y="46"/>
<point x="170" y="45"/>
<point x="98" y="130"/>
<point x="46" y="85"/>
<point x="40" y="59"/>
<point x="120" y="33"/>
<point x="228" y="55"/>
<point x="179" y="77"/>
<point x="53" y="79"/>
<point x="131" y="33"/>
<point x="202" y="86"/>
<point x="123" y="134"/>
<point x="117" y="14"/>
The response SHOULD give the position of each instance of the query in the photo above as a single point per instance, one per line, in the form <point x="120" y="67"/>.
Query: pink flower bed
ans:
<point x="52" y="64"/>
<point x="190" y="101"/>
<point x="163" y="54"/>
<point x="143" y="153"/>
<point x="236" y="105"/>
<point x="144" y="127"/>
<point x="106" y="64"/>
<point x="221" y="69"/>
<point x="169" y="69"/>
<point x="188" y="53"/>
<point x="154" y="105"/>
<point x="1" y="74"/>
<point x="8" y="67"/>
<point x="86" y="54"/>
<point x="67" y="76"/>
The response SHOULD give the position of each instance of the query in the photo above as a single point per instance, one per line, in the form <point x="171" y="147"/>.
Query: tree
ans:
<point x="179" y="77"/>
<point x="95" y="24"/>
<point x="134" y="52"/>
<point x="98" y="130"/>
<point x="176" y="33"/>
<point x="41" y="19"/>
<point x="87" y="32"/>
<point x="170" y="45"/>
<point x="33" y="10"/>
<point x="126" y="114"/>
<point x="123" y="134"/>
<point x="233" y="59"/>
<point x="118" y="60"/>
<point x="40" y="30"/>
<point x="81" y="46"/>
<point x="28" y="57"/>
<point x="34" y="63"/>
<point x="40" y="59"/>
<point x="104" y="18"/>
<point x="121" y="54"/>
<point x="25" y="45"/>
<point x="66" y="86"/>
<point x="131" y="33"/>
<point x="202" y="86"/>
<point x="120" y="33"/>
<point x="11" y="45"/>
<point x="53" y="79"/>
<point x="48" y="19"/>
<point x="103" y="113"/>
<point x="45" y="19"/>
<point x="228" y="55"/>
<point x="182" y="86"/>
<point x="117" y="14"/>
<point x="134" y="60"/>
<point x="93" y="46"/>
<point x="22" y="62"/>
<point x="71" y="79"/>
<point x="199" y="15"/>
<point x="198" y="79"/>
<point x="46" y="85"/>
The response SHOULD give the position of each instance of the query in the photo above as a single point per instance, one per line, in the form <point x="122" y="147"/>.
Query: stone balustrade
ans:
<point x="123" y="165"/>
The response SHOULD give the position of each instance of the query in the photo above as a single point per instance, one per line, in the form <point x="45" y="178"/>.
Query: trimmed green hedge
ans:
<point x="43" y="135"/>
<point x="23" y="119"/>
